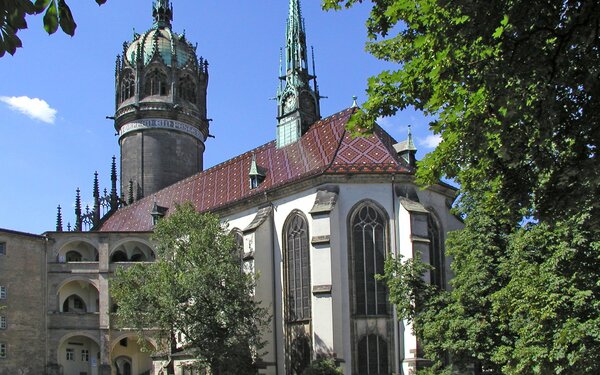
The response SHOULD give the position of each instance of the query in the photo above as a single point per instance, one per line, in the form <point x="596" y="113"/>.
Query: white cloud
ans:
<point x="34" y="108"/>
<point x="431" y="141"/>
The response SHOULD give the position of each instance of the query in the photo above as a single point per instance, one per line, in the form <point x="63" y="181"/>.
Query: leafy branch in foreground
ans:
<point x="12" y="19"/>
<point x="514" y="88"/>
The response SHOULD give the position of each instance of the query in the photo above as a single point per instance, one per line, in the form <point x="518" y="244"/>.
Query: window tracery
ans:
<point x="368" y="247"/>
<point x="297" y="268"/>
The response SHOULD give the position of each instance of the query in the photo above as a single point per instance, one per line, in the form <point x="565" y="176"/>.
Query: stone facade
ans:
<point x="22" y="310"/>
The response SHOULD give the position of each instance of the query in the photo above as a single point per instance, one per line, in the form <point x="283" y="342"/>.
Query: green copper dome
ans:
<point x="160" y="42"/>
<point x="173" y="49"/>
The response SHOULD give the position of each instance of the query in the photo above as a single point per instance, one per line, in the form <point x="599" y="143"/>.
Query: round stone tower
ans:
<point x="160" y="107"/>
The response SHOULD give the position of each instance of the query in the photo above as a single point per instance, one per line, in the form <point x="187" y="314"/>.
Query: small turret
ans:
<point x="407" y="149"/>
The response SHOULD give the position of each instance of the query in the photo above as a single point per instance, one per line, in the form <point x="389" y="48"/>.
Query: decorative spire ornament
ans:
<point x="162" y="12"/>
<point x="59" y="223"/>
<point x="114" y="199"/>
<point x="78" y="218"/>
<point x="96" y="210"/>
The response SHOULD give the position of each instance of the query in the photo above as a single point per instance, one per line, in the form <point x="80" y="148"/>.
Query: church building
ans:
<point x="316" y="211"/>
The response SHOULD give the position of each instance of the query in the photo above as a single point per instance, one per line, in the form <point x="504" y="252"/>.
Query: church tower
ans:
<point x="297" y="101"/>
<point x="160" y="107"/>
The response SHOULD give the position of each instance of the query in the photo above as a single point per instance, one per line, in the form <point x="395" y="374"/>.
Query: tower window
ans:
<point x="156" y="84"/>
<point x="127" y="86"/>
<point x="187" y="89"/>
<point x="2" y="350"/>
<point x="2" y="248"/>
<point x="2" y="292"/>
<point x="70" y="354"/>
<point x="85" y="355"/>
<point x="2" y="322"/>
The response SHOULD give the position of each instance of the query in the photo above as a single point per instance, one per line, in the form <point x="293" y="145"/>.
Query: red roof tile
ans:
<point x="326" y="148"/>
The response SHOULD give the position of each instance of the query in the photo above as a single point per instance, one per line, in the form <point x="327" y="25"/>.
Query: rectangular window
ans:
<point x="70" y="354"/>
<point x="2" y="350"/>
<point x="2" y="248"/>
<point x="2" y="292"/>
<point x="2" y="322"/>
<point x="85" y="355"/>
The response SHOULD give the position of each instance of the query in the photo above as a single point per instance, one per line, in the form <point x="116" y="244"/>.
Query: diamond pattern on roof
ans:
<point x="325" y="149"/>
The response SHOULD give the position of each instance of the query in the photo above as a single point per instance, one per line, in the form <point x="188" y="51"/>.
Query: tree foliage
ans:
<point x="323" y="366"/>
<point x="514" y="89"/>
<point x="12" y="19"/>
<point x="197" y="288"/>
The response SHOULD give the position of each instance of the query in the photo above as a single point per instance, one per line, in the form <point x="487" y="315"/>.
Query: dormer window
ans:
<point x="257" y="174"/>
<point x="157" y="213"/>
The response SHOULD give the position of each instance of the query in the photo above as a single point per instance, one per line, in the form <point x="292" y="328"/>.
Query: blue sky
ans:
<point x="56" y="92"/>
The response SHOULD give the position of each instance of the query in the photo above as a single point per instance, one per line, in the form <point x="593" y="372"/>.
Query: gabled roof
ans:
<point x="326" y="148"/>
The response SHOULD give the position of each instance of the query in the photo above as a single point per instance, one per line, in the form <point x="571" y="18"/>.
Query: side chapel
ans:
<point x="315" y="211"/>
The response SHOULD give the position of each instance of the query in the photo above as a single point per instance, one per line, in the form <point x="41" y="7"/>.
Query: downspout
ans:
<point x="274" y="287"/>
<point x="396" y="236"/>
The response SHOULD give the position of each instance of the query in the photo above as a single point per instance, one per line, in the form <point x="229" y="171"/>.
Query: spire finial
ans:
<point x="114" y="199"/>
<point x="59" y="224"/>
<point x="411" y="144"/>
<point x="78" y="222"/>
<point x="96" y="209"/>
<point x="355" y="105"/>
<point x="162" y="12"/>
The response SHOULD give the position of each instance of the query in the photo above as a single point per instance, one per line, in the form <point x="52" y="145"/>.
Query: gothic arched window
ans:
<point x="297" y="268"/>
<point x="187" y="89"/>
<point x="372" y="355"/>
<point x="368" y="249"/>
<point x="156" y="83"/>
<point x="127" y="86"/>
<point x="436" y="253"/>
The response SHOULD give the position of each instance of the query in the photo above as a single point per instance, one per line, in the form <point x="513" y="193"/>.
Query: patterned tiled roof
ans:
<point x="326" y="148"/>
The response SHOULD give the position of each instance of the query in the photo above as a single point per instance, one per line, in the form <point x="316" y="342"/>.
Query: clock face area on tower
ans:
<point x="289" y="103"/>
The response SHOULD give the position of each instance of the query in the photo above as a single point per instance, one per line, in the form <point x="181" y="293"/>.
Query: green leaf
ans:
<point x="67" y="23"/>
<point x="51" y="18"/>
<point x="41" y="5"/>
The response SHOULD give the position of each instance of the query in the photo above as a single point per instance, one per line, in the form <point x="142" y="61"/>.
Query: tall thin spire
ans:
<point x="296" y="56"/>
<point x="162" y="12"/>
<point x="298" y="102"/>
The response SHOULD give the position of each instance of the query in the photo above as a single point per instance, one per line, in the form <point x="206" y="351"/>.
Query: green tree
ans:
<point x="323" y="366"/>
<point x="195" y="287"/>
<point x="12" y="19"/>
<point x="514" y="89"/>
